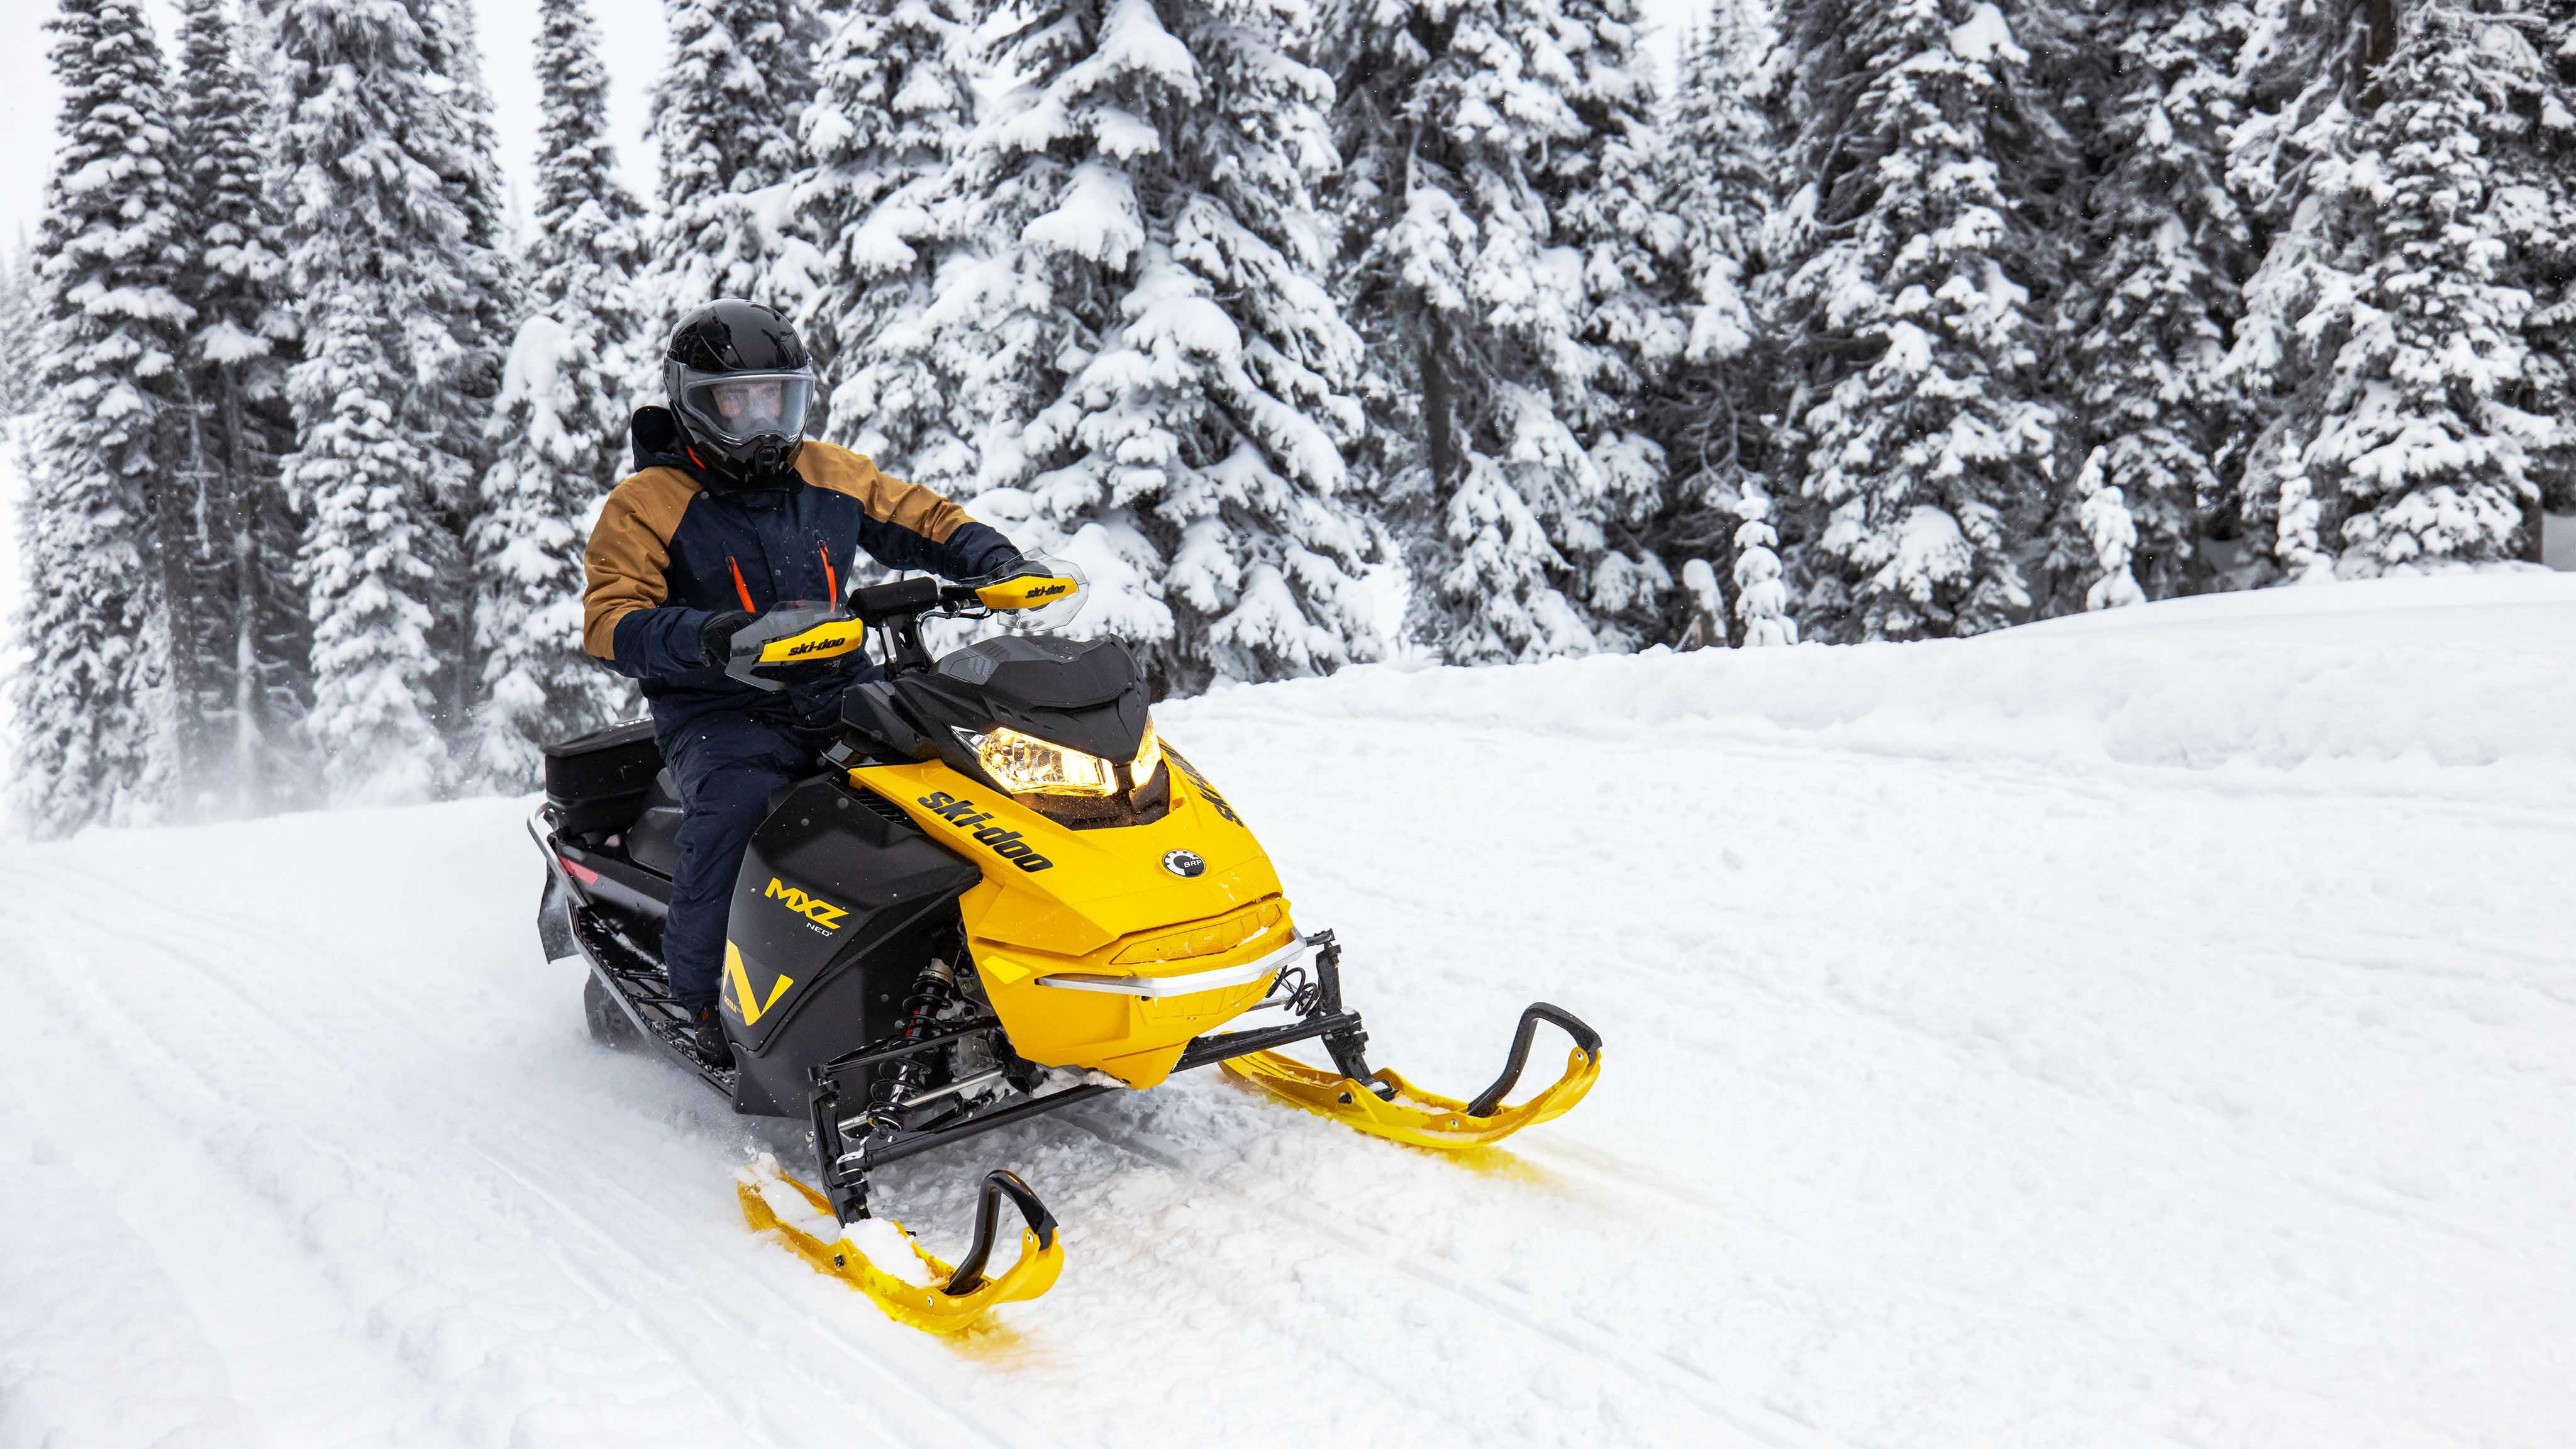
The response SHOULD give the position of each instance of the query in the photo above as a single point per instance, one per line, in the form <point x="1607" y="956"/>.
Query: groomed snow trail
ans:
<point x="2157" y="1029"/>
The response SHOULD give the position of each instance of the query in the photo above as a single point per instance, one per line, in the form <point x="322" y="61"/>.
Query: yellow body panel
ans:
<point x="1101" y="902"/>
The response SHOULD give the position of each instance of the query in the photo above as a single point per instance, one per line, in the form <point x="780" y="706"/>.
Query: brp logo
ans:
<point x="1184" y="863"/>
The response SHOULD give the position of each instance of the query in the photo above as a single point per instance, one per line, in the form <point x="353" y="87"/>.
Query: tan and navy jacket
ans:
<point x="668" y="552"/>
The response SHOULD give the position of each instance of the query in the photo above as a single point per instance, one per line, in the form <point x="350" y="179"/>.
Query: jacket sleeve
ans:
<point x="907" y="526"/>
<point x="624" y="619"/>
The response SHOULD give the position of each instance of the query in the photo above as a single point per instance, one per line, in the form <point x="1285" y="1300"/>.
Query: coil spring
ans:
<point x="933" y="991"/>
<point x="1304" y="994"/>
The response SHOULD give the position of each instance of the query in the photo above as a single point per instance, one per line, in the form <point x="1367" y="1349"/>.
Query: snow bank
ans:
<point x="2435" y="675"/>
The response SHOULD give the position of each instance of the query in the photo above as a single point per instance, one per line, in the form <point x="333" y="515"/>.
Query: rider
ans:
<point x="731" y="510"/>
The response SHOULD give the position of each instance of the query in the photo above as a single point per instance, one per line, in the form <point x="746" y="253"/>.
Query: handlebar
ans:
<point x="881" y="602"/>
<point x="796" y="632"/>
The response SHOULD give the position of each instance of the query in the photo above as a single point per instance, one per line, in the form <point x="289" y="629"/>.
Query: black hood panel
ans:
<point x="1036" y="672"/>
<point x="1083" y="694"/>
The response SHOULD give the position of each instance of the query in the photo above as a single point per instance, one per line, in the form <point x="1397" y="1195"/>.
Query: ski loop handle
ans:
<point x="1586" y="1040"/>
<point x="998" y="1184"/>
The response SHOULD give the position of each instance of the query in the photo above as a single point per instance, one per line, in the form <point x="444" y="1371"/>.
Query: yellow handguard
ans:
<point x="953" y="1299"/>
<point x="1028" y="591"/>
<point x="824" y="641"/>
<point x="1408" y="1114"/>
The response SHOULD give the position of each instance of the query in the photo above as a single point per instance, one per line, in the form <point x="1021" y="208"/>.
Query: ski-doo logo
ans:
<point x="820" y="912"/>
<point x="967" y="816"/>
<point x="815" y="646"/>
<point x="1049" y="591"/>
<point x="1207" y="791"/>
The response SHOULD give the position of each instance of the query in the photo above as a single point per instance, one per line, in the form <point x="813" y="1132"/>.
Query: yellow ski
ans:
<point x="1405" y="1113"/>
<point x="948" y="1299"/>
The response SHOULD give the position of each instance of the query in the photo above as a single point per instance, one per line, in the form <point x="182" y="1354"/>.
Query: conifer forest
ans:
<point x="1316" y="331"/>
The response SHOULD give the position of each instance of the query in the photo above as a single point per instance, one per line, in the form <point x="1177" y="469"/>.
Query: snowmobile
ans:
<point x="1003" y="893"/>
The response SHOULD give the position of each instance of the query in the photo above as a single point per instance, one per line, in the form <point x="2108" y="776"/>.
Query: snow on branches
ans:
<point x="725" y="117"/>
<point x="94" y="699"/>
<point x="1131" y="339"/>
<point x="1929" y="443"/>
<point x="1501" y="234"/>
<point x="560" y="422"/>
<point x="394" y="273"/>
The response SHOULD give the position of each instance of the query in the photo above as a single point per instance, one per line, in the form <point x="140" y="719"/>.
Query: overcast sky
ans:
<point x="631" y="32"/>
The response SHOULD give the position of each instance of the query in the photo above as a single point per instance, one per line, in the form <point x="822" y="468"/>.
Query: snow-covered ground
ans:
<point x="2138" y="1030"/>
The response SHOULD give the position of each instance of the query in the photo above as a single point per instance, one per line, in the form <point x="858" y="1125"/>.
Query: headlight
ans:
<point x="1148" y="755"/>
<point x="1027" y="765"/>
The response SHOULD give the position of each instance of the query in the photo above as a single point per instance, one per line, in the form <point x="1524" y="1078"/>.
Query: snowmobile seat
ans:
<point x="653" y="841"/>
<point x="599" y="782"/>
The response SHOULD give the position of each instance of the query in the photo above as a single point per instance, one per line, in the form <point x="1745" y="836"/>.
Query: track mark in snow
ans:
<point x="1597" y="1348"/>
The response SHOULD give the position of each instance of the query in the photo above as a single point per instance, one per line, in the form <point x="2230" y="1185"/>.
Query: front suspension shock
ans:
<point x="933" y="991"/>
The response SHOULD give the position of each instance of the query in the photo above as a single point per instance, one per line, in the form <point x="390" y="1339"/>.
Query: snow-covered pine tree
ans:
<point x="1725" y="137"/>
<point x="1484" y="147"/>
<point x="2536" y="161"/>
<point x="895" y="100"/>
<point x="2295" y="544"/>
<point x="2415" y="433"/>
<point x="92" y="699"/>
<point x="2298" y="72"/>
<point x="392" y="290"/>
<point x="21" y="313"/>
<point x="1168" y="381"/>
<point x="561" y="423"/>
<point x="1761" y="599"/>
<point x="725" y="116"/>
<point x="2153" y="300"/>
<point x="103" y="324"/>
<point x="476" y="311"/>
<point x="2111" y="531"/>
<point x="252" y="635"/>
<point x="1606" y="208"/>
<point x="1930" y="445"/>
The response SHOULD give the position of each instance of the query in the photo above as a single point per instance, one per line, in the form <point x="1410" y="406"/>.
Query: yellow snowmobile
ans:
<point x="1003" y="894"/>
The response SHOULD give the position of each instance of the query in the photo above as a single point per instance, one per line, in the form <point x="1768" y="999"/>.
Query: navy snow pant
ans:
<point x="727" y="765"/>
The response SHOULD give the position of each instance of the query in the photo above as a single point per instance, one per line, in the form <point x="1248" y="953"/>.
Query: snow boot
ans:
<point x="705" y="1033"/>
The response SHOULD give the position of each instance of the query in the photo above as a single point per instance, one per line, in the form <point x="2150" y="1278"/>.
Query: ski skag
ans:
<point x="1001" y="896"/>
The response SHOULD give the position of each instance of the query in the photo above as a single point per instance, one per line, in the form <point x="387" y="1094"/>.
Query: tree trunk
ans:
<point x="1437" y="424"/>
<point x="234" y="522"/>
<point x="2379" y="42"/>
<point x="173" y="540"/>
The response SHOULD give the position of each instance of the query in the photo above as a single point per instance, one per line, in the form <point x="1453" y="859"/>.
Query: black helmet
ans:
<point x="739" y="381"/>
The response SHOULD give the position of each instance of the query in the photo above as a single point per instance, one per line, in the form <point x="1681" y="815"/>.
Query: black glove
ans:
<point x="715" y="636"/>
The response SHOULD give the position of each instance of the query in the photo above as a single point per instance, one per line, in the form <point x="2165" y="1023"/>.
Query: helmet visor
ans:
<point x="737" y="407"/>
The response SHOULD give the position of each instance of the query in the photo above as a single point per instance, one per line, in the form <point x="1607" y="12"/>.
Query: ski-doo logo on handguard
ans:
<point x="966" y="815"/>
<point x="821" y="913"/>
<point x="815" y="646"/>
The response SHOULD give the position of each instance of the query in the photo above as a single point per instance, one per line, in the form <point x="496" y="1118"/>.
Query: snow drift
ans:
<point x="2138" y="1028"/>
